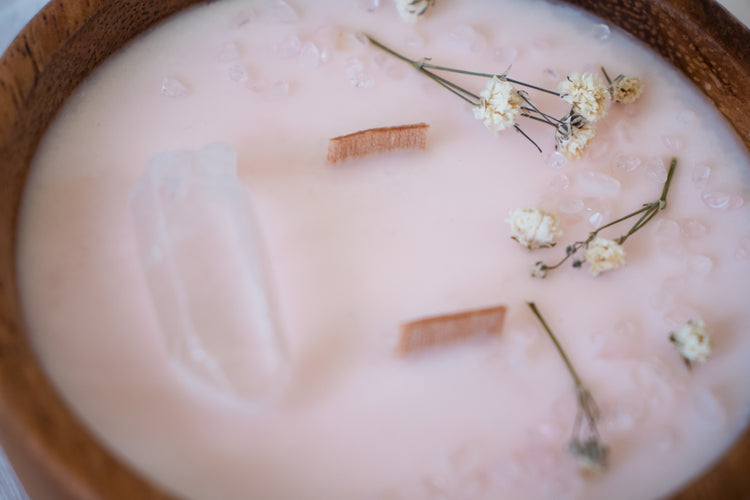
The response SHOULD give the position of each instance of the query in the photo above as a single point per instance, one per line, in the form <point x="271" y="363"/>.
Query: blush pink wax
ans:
<point x="326" y="262"/>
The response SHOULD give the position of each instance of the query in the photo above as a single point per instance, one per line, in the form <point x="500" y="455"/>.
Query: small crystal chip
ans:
<point x="309" y="56"/>
<point x="201" y="256"/>
<point x="238" y="74"/>
<point x="693" y="228"/>
<point x="368" y="5"/>
<point x="288" y="47"/>
<point x="627" y="163"/>
<point x="570" y="206"/>
<point x="699" y="175"/>
<point x="717" y="200"/>
<point x="597" y="183"/>
<point x="699" y="265"/>
<point x="601" y="32"/>
<point x="559" y="182"/>
<point x="355" y="70"/>
<point x="666" y="229"/>
<point x="656" y="171"/>
<point x="282" y="12"/>
<point x="556" y="160"/>
<point x="467" y="36"/>
<point x="172" y="87"/>
<point x="672" y="143"/>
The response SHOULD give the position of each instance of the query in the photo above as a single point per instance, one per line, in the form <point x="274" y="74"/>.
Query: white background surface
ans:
<point x="13" y="16"/>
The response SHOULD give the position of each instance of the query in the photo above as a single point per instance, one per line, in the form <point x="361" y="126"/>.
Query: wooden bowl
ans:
<point x="55" y="455"/>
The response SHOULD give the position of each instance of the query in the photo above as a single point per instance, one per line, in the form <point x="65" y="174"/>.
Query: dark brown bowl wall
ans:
<point x="61" y="46"/>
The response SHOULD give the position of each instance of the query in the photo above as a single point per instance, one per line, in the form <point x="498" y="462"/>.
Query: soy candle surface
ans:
<point x="357" y="249"/>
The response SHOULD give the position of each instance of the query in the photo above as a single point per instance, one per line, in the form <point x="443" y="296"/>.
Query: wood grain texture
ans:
<point x="425" y="333"/>
<point x="377" y="140"/>
<point x="40" y="69"/>
<point x="70" y="37"/>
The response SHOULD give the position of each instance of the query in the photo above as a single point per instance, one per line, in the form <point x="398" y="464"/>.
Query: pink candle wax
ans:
<point x="353" y="251"/>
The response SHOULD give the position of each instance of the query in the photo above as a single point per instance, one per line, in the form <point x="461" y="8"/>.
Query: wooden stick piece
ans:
<point x="435" y="330"/>
<point x="377" y="140"/>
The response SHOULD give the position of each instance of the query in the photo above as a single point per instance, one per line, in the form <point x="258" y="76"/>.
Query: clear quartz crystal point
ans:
<point x="203" y="261"/>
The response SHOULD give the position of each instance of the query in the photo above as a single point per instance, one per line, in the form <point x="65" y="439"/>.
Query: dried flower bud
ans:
<point x="590" y="454"/>
<point x="692" y="341"/>
<point x="533" y="227"/>
<point x="603" y="254"/>
<point x="626" y="89"/>
<point x="411" y="10"/>
<point x="587" y="94"/>
<point x="499" y="105"/>
<point x="573" y="134"/>
<point x="539" y="270"/>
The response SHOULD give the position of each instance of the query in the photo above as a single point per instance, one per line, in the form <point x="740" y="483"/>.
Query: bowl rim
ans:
<point x="66" y="40"/>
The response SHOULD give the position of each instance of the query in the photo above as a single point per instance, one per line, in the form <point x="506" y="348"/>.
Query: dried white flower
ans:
<point x="603" y="254"/>
<point x="539" y="270"/>
<point x="692" y="341"/>
<point x="499" y="105"/>
<point x="411" y="10"/>
<point x="573" y="134"/>
<point x="626" y="89"/>
<point x="533" y="227"/>
<point x="587" y="94"/>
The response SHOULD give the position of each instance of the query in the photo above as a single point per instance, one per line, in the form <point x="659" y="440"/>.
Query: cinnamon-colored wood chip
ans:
<point x="377" y="140"/>
<point x="435" y="330"/>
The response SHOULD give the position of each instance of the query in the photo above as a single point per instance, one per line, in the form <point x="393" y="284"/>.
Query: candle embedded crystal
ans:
<point x="216" y="313"/>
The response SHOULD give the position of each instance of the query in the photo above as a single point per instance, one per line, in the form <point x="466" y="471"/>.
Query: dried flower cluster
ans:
<point x="586" y="94"/>
<point x="692" y="341"/>
<point x="605" y="254"/>
<point x="534" y="228"/>
<point x="501" y="104"/>
<point x="411" y="10"/>
<point x="573" y="134"/>
<point x="626" y="90"/>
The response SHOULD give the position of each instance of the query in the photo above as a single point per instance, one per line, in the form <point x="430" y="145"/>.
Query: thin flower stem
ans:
<point x="447" y="83"/>
<point x="451" y="87"/>
<point x="667" y="183"/>
<point x="550" y="117"/>
<point x="536" y="109"/>
<point x="571" y="369"/>
<point x="528" y="138"/>
<point x="390" y="51"/>
<point x="533" y="117"/>
<point x="609" y="81"/>
<point x="490" y="75"/>
<point x="647" y="216"/>
<point x="644" y="208"/>
<point x="420" y="66"/>
<point x="424" y="64"/>
<point x="655" y="207"/>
